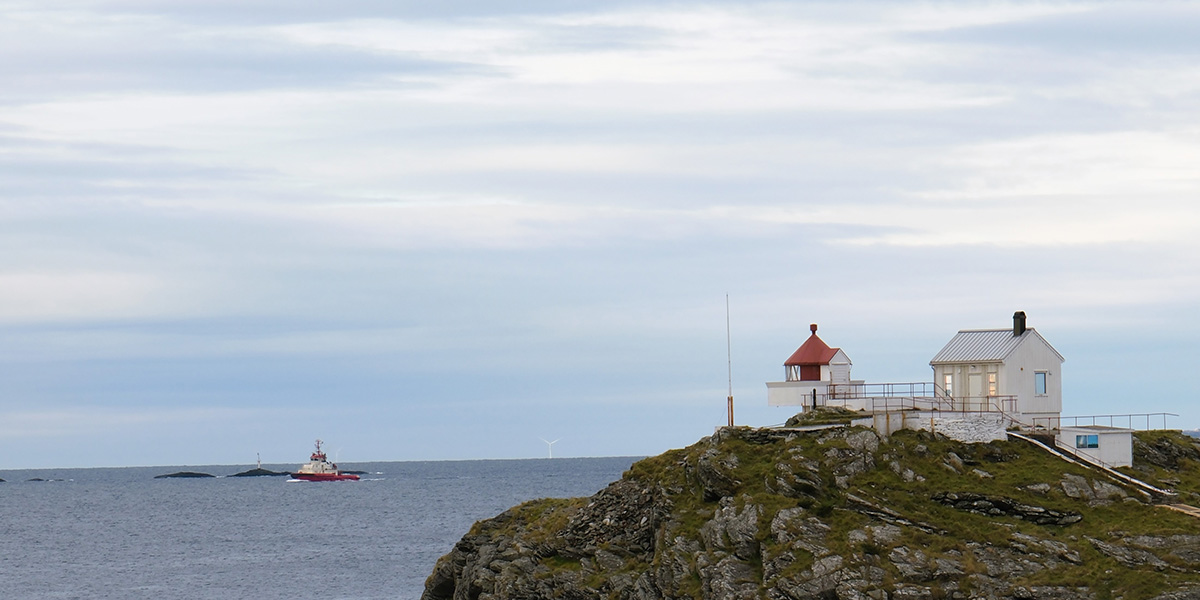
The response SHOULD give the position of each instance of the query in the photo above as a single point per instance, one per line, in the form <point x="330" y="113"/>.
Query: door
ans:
<point x="975" y="391"/>
<point x="839" y="373"/>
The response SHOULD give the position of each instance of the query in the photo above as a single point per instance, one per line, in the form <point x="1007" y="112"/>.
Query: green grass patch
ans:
<point x="823" y="415"/>
<point x="537" y="521"/>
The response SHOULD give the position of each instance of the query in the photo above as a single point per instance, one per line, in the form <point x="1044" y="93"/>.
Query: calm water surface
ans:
<point x="120" y="533"/>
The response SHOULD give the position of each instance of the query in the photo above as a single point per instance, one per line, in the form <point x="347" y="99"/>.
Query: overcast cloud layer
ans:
<point x="228" y="228"/>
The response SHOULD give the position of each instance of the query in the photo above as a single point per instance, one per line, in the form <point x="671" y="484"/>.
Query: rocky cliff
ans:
<point x="840" y="514"/>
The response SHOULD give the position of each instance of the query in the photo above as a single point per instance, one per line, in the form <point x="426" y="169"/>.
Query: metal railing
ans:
<point x="874" y="397"/>
<point x="1084" y="456"/>
<point x="1130" y="421"/>
<point x="881" y="390"/>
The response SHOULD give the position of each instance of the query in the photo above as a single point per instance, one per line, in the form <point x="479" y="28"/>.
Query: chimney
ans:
<point x="1018" y="323"/>
<point x="813" y="328"/>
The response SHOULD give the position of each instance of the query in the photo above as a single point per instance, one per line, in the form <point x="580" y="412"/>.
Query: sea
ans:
<point x="121" y="533"/>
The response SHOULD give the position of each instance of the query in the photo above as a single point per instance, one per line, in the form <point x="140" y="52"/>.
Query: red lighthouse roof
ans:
<point x="813" y="351"/>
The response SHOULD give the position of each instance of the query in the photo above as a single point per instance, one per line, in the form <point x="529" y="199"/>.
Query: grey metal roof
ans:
<point x="984" y="345"/>
<point x="1095" y="427"/>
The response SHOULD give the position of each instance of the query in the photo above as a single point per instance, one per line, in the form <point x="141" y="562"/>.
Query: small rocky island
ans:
<point x="260" y="472"/>
<point x="841" y="514"/>
<point x="184" y="475"/>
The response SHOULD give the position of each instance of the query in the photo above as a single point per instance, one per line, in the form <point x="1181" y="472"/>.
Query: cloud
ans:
<point x="53" y="296"/>
<point x="84" y="52"/>
<point x="85" y="421"/>
<point x="408" y="206"/>
<point x="1119" y="31"/>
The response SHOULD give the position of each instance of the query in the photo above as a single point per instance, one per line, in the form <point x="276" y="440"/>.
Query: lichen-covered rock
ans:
<point x="1076" y="486"/>
<point x="1190" y="593"/>
<point x="1130" y="557"/>
<point x="714" y="471"/>
<point x="795" y="481"/>
<point x="1183" y="547"/>
<point x="1167" y="453"/>
<point x="624" y="518"/>
<point x="1034" y="545"/>
<point x="733" y="530"/>
<point x="911" y="563"/>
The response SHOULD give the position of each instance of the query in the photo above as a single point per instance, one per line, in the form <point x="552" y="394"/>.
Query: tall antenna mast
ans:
<point x="729" y="355"/>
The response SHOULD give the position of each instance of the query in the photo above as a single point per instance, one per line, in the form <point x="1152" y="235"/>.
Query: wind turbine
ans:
<point x="550" y="445"/>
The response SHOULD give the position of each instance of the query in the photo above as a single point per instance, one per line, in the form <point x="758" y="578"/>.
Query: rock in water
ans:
<point x="184" y="475"/>
<point x="833" y="515"/>
<point x="260" y="472"/>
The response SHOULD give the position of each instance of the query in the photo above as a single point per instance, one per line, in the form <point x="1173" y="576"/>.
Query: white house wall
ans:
<point x="1028" y="358"/>
<point x="965" y="397"/>
<point x="838" y="369"/>
<point x="1115" y="444"/>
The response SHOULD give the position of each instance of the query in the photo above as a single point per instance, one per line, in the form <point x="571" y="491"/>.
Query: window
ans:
<point x="948" y="381"/>
<point x="1039" y="383"/>
<point x="992" y="384"/>
<point x="1087" y="441"/>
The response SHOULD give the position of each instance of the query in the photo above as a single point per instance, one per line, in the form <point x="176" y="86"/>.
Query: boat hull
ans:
<point x="324" y="477"/>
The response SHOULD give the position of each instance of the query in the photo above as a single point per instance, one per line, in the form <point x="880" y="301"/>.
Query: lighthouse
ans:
<point x="812" y="374"/>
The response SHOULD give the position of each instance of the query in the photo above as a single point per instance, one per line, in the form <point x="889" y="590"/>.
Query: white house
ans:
<point x="1015" y="371"/>
<point x="1110" y="446"/>
<point x="812" y="374"/>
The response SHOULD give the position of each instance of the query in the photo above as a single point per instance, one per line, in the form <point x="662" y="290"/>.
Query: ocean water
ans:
<point x="120" y="533"/>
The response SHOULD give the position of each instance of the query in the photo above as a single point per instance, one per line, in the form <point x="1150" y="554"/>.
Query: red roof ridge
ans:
<point x="814" y="351"/>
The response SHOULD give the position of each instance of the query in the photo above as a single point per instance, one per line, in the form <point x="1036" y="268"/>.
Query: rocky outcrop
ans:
<point x="1164" y="452"/>
<point x="833" y="514"/>
<point x="985" y="504"/>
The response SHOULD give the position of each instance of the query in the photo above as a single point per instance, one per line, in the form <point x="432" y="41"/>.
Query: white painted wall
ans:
<point x="795" y="393"/>
<point x="839" y="368"/>
<point x="1116" y="444"/>
<point x="1031" y="356"/>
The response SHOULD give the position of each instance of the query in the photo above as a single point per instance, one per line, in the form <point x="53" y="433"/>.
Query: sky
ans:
<point x="432" y="231"/>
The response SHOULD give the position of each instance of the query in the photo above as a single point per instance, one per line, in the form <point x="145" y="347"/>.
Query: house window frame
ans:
<point x="993" y="386"/>
<point x="948" y="384"/>
<point x="1041" y="383"/>
<point x="1089" y="440"/>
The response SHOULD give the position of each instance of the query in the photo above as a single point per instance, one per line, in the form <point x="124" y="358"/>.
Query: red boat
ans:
<point x="320" y="469"/>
